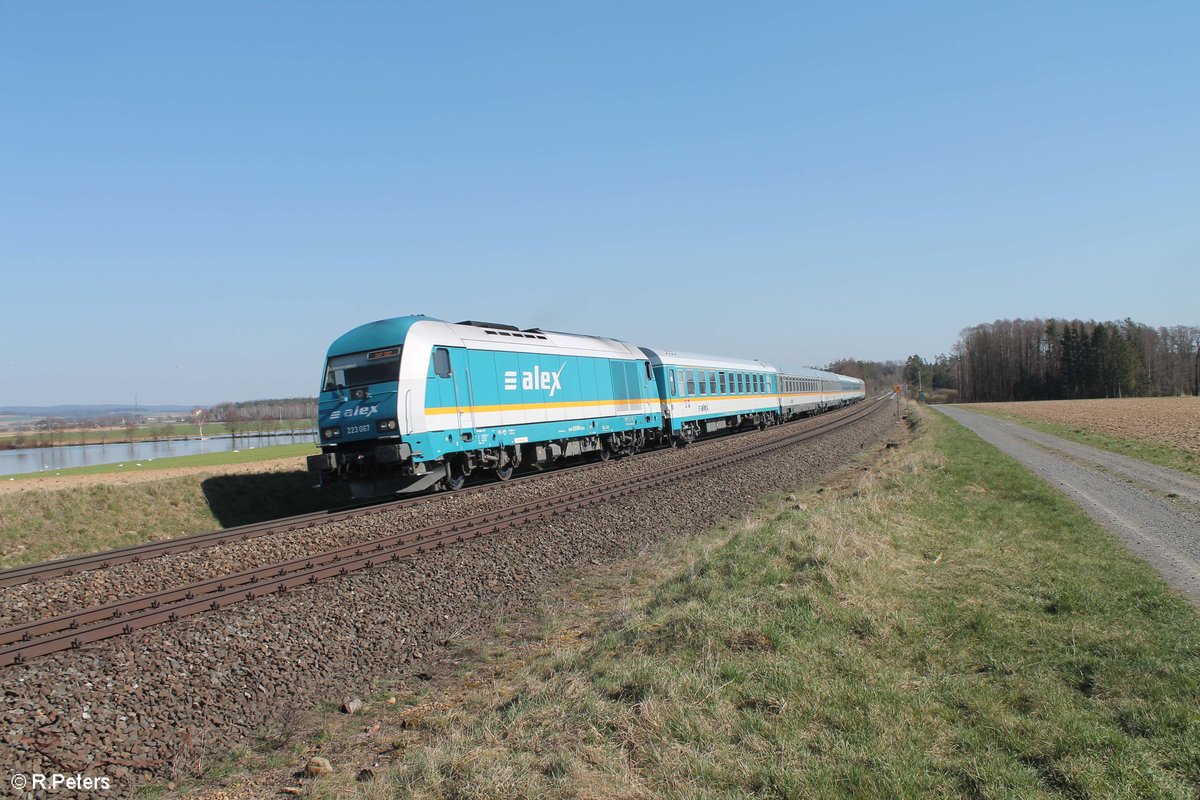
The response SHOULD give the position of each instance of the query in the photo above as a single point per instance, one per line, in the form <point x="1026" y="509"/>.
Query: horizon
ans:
<point x="199" y="198"/>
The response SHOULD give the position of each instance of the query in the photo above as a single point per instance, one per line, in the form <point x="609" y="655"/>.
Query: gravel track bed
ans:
<point x="148" y="703"/>
<point x="34" y="601"/>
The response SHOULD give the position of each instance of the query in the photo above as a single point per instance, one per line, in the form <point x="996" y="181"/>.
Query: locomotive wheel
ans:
<point x="455" y="479"/>
<point x="505" y="472"/>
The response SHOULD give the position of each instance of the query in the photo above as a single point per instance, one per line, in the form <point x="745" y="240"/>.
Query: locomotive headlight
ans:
<point x="385" y="425"/>
<point x="331" y="433"/>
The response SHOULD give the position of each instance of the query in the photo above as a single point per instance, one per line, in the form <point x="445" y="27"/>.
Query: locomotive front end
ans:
<point x="358" y="411"/>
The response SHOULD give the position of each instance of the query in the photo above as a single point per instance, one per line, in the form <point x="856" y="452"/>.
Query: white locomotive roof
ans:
<point x="675" y="358"/>
<point x="537" y="341"/>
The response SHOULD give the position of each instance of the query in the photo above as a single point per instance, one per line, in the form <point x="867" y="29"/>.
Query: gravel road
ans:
<point x="1154" y="510"/>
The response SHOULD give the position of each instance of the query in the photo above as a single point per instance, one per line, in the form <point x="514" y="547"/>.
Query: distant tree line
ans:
<point x="877" y="375"/>
<point x="254" y="410"/>
<point x="251" y="415"/>
<point x="1066" y="360"/>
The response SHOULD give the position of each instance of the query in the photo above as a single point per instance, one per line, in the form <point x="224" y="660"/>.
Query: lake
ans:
<point x="48" y="459"/>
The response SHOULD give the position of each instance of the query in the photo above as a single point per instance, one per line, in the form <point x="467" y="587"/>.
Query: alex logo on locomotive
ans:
<point x="537" y="378"/>
<point x="361" y="411"/>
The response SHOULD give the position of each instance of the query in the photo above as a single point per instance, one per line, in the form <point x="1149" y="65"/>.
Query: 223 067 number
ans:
<point x="353" y="429"/>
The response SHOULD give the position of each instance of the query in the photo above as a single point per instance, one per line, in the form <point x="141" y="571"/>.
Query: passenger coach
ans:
<point x="809" y="391"/>
<point x="701" y="394"/>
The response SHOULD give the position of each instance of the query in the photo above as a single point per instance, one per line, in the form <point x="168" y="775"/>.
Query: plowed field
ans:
<point x="1169" y="421"/>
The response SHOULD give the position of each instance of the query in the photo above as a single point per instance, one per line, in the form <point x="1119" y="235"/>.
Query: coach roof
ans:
<point x="674" y="358"/>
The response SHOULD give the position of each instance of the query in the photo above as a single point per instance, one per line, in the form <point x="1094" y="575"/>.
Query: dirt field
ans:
<point x="1169" y="421"/>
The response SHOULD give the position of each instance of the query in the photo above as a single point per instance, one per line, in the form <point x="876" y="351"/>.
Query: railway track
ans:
<point x="19" y="643"/>
<point x="133" y="554"/>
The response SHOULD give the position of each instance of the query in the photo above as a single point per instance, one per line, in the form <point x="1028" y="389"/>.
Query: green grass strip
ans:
<point x="38" y="524"/>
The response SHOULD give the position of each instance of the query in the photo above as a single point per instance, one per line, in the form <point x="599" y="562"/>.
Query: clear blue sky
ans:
<point x="196" y="198"/>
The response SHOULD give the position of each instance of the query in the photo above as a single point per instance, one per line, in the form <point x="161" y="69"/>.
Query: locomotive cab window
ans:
<point x="441" y="362"/>
<point x="362" y="369"/>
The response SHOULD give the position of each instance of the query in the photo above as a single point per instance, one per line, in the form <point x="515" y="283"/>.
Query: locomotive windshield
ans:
<point x="360" y="369"/>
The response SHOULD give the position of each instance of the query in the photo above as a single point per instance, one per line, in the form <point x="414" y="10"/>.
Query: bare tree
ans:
<point x="234" y="420"/>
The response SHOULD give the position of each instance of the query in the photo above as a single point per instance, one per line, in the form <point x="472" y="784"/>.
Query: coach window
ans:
<point x="721" y="379"/>
<point x="441" y="362"/>
<point x="712" y="382"/>
<point x="671" y="378"/>
<point x="691" y="383"/>
<point x="703" y="381"/>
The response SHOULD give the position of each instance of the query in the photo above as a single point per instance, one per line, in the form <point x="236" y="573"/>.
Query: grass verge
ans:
<point x="1170" y="457"/>
<point x="943" y="625"/>
<point x="44" y="524"/>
